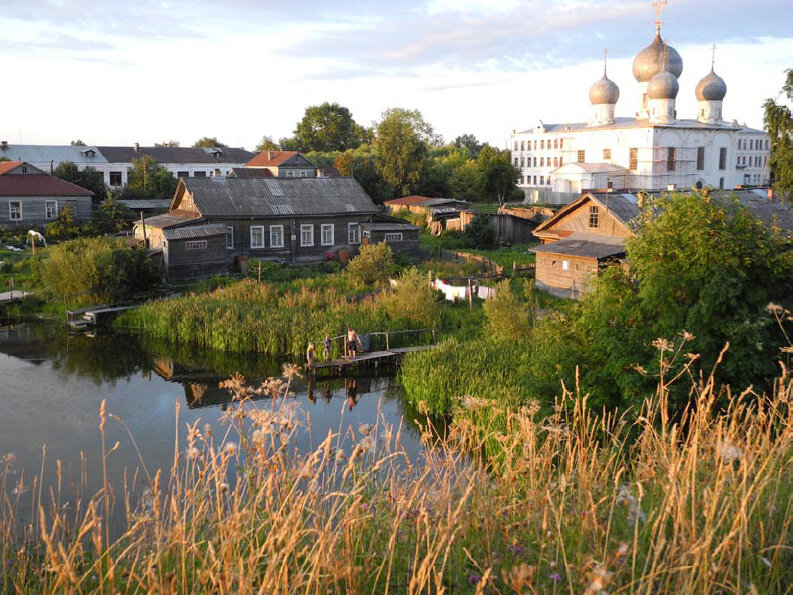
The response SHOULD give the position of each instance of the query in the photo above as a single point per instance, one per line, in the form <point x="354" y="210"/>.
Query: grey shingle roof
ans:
<point x="175" y="154"/>
<point x="386" y="226"/>
<point x="622" y="205"/>
<point x="194" y="231"/>
<point x="234" y="197"/>
<point x="53" y="153"/>
<point x="581" y="248"/>
<point x="166" y="220"/>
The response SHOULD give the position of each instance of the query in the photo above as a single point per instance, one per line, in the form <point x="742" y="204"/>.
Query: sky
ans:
<point x="114" y="72"/>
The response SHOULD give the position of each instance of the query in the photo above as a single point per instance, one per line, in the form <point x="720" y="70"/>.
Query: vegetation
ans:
<point x="330" y="127"/>
<point x="374" y="263"/>
<point x="96" y="270"/>
<point x="88" y="178"/>
<point x="578" y="502"/>
<point x="209" y="142"/>
<point x="778" y="121"/>
<point x="148" y="179"/>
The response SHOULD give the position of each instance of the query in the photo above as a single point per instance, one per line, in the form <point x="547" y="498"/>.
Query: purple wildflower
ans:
<point x="473" y="579"/>
<point x="515" y="549"/>
<point x="556" y="577"/>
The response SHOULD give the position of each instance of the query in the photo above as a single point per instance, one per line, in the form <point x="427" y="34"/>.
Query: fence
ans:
<point x="487" y="265"/>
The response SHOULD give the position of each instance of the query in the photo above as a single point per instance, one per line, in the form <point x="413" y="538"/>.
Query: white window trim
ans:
<point x="11" y="210"/>
<point x="289" y="173"/>
<point x="565" y="265"/>
<point x="47" y="204"/>
<point x="259" y="227"/>
<point x="230" y="234"/>
<point x="323" y="228"/>
<point x="196" y="245"/>
<point x="273" y="243"/>
<point x="353" y="238"/>
<point x="393" y="237"/>
<point x="306" y="227"/>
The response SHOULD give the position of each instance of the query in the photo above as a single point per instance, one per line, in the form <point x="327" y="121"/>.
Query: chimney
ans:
<point x="4" y="145"/>
<point x="770" y="193"/>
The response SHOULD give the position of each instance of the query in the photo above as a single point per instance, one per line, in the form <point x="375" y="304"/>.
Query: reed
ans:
<point x="581" y="502"/>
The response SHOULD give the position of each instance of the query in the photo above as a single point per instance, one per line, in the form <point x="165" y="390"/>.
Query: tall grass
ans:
<point x="277" y="318"/>
<point x="575" y="506"/>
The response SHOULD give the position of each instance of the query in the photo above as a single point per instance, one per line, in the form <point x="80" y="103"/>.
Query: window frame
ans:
<point x="580" y="156"/>
<point x="607" y="153"/>
<point x="196" y="245"/>
<point x="394" y="237"/>
<point x="114" y="174"/>
<point x="700" y="158"/>
<point x="306" y="227"/>
<point x="230" y="235"/>
<point x="565" y="265"/>
<point x="55" y="212"/>
<point x="280" y="229"/>
<point x="633" y="158"/>
<point x="353" y="238"/>
<point x="12" y="210"/>
<point x="257" y="246"/>
<point x="722" y="158"/>
<point x="324" y="227"/>
<point x="593" y="221"/>
<point x="671" y="158"/>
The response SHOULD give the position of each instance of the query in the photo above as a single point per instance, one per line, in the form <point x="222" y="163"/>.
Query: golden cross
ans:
<point x="605" y="59"/>
<point x="659" y="8"/>
<point x="713" y="56"/>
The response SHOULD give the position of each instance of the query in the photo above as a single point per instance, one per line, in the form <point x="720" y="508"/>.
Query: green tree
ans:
<point x="374" y="263"/>
<point x="111" y="217"/>
<point x="361" y="165"/>
<point x="148" y="179"/>
<point x="470" y="142"/>
<point x="88" y="178"/>
<point x="401" y="148"/>
<point x="779" y="127"/>
<point x="289" y="143"/>
<point x="499" y="178"/>
<point x="266" y="144"/>
<point x="329" y="127"/>
<point x="77" y="143"/>
<point x="168" y="143"/>
<point x="209" y="142"/>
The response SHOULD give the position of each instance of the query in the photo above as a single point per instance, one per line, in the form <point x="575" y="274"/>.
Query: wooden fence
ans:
<point x="442" y="255"/>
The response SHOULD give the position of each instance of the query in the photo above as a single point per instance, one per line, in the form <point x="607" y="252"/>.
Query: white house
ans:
<point x="654" y="149"/>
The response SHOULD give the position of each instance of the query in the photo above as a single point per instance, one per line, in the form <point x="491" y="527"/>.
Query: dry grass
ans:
<point x="579" y="502"/>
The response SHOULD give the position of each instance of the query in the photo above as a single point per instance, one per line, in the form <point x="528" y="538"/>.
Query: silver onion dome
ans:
<point x="650" y="61"/>
<point x="663" y="85"/>
<point x="711" y="88"/>
<point x="604" y="91"/>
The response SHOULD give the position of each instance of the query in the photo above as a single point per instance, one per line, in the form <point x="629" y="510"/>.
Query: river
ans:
<point x="52" y="385"/>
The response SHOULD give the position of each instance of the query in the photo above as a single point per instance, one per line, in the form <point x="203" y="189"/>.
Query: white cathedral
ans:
<point x="655" y="150"/>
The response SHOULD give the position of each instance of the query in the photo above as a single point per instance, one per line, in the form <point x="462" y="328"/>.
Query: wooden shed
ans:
<point x="402" y="237"/>
<point x="195" y="251"/>
<point x="564" y="268"/>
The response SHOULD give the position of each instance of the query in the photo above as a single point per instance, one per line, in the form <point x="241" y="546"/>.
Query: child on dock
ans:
<point x="310" y="355"/>
<point x="327" y="347"/>
<point x="353" y="340"/>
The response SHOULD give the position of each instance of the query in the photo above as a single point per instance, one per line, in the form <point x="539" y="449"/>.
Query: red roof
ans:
<point x="6" y="166"/>
<point x="270" y="158"/>
<point x="408" y="201"/>
<point x="38" y="185"/>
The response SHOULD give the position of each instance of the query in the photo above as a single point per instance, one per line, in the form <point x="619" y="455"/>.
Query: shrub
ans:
<point x="374" y="263"/>
<point x="507" y="316"/>
<point x="401" y="302"/>
<point x="101" y="269"/>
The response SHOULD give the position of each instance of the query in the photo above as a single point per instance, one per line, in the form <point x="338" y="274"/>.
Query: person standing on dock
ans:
<point x="327" y="347"/>
<point x="353" y="340"/>
<point x="310" y="355"/>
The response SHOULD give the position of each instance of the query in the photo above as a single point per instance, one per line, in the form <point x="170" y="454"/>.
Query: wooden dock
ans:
<point x="14" y="296"/>
<point x="337" y="367"/>
<point x="85" y="318"/>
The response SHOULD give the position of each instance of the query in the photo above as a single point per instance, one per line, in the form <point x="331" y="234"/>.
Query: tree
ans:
<point x="374" y="263"/>
<point x="111" y="217"/>
<point x="88" y="178"/>
<point x="289" y="143"/>
<point x="778" y="122"/>
<point x="209" y="142"/>
<point x="78" y="143"/>
<point x="401" y="148"/>
<point x="329" y="127"/>
<point x="499" y="177"/>
<point x="469" y="142"/>
<point x="266" y="144"/>
<point x="361" y="165"/>
<point x="148" y="179"/>
<point x="168" y="143"/>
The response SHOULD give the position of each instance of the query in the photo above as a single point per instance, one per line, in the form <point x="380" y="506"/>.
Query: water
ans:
<point x="51" y="388"/>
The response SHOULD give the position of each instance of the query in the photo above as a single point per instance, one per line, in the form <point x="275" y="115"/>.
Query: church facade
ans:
<point x="653" y="150"/>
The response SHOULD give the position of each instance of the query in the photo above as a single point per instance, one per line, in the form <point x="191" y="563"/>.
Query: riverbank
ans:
<point x="582" y="503"/>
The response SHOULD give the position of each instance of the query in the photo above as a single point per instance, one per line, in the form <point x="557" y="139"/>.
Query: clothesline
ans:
<point x="455" y="292"/>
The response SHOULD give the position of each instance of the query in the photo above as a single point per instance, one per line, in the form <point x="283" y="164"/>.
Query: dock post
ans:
<point x="470" y="294"/>
<point x="433" y="336"/>
<point x="387" y="344"/>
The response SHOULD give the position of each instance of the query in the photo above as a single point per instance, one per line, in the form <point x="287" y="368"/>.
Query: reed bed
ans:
<point x="278" y="318"/>
<point x="581" y="502"/>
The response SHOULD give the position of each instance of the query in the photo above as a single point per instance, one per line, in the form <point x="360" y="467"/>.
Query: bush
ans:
<point x="507" y="316"/>
<point x="101" y="269"/>
<point x="401" y="302"/>
<point x="479" y="232"/>
<point x="374" y="263"/>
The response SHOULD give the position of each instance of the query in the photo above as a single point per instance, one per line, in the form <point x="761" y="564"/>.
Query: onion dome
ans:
<point x="604" y="91"/>
<point x="711" y="88"/>
<point x="663" y="85"/>
<point x="650" y="61"/>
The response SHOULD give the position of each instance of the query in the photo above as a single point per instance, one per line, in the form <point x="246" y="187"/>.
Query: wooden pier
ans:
<point x="86" y="318"/>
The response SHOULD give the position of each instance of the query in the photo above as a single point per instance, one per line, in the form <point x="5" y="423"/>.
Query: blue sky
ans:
<point x="113" y="72"/>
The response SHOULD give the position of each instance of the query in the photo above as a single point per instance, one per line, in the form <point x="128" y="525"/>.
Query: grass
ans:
<point x="580" y="502"/>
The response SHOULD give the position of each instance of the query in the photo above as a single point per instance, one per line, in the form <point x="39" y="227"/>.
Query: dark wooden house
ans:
<point x="403" y="238"/>
<point x="301" y="220"/>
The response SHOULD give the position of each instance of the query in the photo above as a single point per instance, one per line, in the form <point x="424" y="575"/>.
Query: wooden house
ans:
<point x="299" y="220"/>
<point x="284" y="164"/>
<point x="403" y="238"/>
<point x="30" y="197"/>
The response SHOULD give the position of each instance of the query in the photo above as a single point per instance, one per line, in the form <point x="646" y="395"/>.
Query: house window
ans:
<point x="516" y="145"/>
<point x="51" y="207"/>
<point x="115" y="178"/>
<point x="542" y="161"/>
<point x="522" y="146"/>
<point x="606" y="153"/>
<point x="542" y="144"/>
<point x="289" y="173"/>
<point x="548" y="181"/>
<point x="594" y="216"/>
<point x="700" y="158"/>
<point x="307" y="234"/>
<point x="195" y="245"/>
<point x="633" y="158"/>
<point x="535" y="162"/>
<point x="670" y="159"/>
<point x="183" y="174"/>
<point x="721" y="183"/>
<point x="561" y="143"/>
<point x="535" y="180"/>
<point x="565" y="265"/>
<point x="326" y="233"/>
<point x="199" y="174"/>
<point x="522" y="161"/>
<point x="353" y="233"/>
<point x="257" y="236"/>
<point x="723" y="158"/>
<point x="542" y="180"/>
<point x="303" y="173"/>
<point x="581" y="156"/>
<point x="535" y="145"/>
<point x="556" y="143"/>
<point x="516" y="162"/>
<point x="276" y="236"/>
<point x="15" y="210"/>
<point x="229" y="236"/>
<point x="393" y="237"/>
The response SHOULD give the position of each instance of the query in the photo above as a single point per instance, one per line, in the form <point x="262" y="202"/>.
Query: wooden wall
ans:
<point x="551" y="275"/>
<point x="183" y="263"/>
<point x="511" y="230"/>
<point x="578" y="220"/>
<point x="34" y="210"/>
<point x="409" y="246"/>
